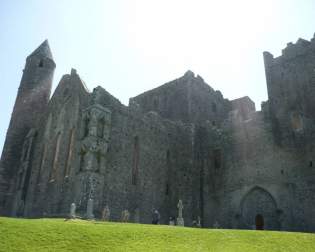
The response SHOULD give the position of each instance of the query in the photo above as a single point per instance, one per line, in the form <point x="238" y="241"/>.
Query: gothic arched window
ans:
<point x="136" y="154"/>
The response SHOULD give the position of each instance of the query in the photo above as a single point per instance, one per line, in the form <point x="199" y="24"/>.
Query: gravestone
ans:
<point x="180" y="219"/>
<point x="89" y="210"/>
<point x="216" y="224"/>
<point x="106" y="213"/>
<point x="72" y="211"/>
<point x="199" y="222"/>
<point x="172" y="221"/>
<point x="125" y="216"/>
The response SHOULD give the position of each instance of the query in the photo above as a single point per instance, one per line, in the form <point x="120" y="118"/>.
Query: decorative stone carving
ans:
<point x="93" y="116"/>
<point x="94" y="146"/>
<point x="96" y="122"/>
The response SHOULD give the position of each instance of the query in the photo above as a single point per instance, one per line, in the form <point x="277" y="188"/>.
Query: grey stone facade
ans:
<point x="229" y="164"/>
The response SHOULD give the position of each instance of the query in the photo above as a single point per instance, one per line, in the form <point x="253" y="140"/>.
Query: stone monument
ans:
<point x="198" y="222"/>
<point x="216" y="224"/>
<point x="72" y="211"/>
<point x="180" y="219"/>
<point x="171" y="221"/>
<point x="125" y="215"/>
<point x="106" y="213"/>
<point x="89" y="210"/>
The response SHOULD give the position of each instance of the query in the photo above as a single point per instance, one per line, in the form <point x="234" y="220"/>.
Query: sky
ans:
<point x="131" y="46"/>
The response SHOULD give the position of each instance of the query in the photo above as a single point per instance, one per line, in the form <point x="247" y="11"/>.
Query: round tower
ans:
<point x="31" y="102"/>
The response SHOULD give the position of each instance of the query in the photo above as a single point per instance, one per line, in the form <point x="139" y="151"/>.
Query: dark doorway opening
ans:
<point x="259" y="220"/>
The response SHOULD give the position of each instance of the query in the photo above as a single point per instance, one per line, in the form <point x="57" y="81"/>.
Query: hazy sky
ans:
<point x="132" y="46"/>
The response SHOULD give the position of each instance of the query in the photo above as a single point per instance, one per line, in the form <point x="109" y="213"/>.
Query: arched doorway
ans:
<point x="259" y="210"/>
<point x="259" y="220"/>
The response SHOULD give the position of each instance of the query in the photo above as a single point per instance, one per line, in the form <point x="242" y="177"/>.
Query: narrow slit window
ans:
<point x="168" y="167"/>
<point x="41" y="63"/>
<point x="214" y="107"/>
<point x="70" y="151"/>
<point x="42" y="162"/>
<point x="135" y="168"/>
<point x="56" y="157"/>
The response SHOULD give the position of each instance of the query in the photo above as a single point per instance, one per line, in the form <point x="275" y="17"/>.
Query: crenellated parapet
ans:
<point x="290" y="83"/>
<point x="291" y="51"/>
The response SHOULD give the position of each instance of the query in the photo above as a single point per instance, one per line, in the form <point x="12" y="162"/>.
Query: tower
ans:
<point x="291" y="89"/>
<point x="31" y="102"/>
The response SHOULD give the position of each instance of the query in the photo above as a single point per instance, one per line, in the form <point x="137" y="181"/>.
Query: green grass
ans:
<point x="76" y="235"/>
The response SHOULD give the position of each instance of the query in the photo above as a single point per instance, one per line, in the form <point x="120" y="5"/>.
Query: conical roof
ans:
<point x="43" y="51"/>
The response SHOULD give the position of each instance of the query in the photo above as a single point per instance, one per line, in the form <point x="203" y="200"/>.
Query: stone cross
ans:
<point x="89" y="210"/>
<point x="72" y="211"/>
<point x="106" y="213"/>
<point x="180" y="209"/>
<point x="180" y="219"/>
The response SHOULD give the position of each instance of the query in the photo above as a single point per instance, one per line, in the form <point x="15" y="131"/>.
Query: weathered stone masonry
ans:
<point x="229" y="164"/>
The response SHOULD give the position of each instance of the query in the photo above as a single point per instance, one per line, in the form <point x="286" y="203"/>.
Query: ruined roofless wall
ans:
<point x="148" y="162"/>
<point x="187" y="99"/>
<point x="222" y="164"/>
<point x="291" y="91"/>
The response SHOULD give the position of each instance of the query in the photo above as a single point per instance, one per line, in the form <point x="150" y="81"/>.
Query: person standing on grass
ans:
<point x="155" y="217"/>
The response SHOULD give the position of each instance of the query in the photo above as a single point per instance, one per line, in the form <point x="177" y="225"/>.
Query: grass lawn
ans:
<point x="78" y="235"/>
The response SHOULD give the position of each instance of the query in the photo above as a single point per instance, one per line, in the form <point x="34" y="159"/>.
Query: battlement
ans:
<point x="292" y="50"/>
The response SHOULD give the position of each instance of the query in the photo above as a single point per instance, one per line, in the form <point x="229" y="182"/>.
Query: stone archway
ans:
<point x="259" y="210"/>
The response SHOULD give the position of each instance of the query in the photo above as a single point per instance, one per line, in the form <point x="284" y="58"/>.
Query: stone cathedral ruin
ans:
<point x="227" y="162"/>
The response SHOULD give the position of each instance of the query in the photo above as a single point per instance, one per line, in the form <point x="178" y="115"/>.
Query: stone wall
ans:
<point x="263" y="178"/>
<point x="186" y="99"/>
<point x="230" y="165"/>
<point x="291" y="90"/>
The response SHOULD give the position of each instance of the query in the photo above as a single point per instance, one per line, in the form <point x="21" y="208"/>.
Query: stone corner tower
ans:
<point x="31" y="102"/>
